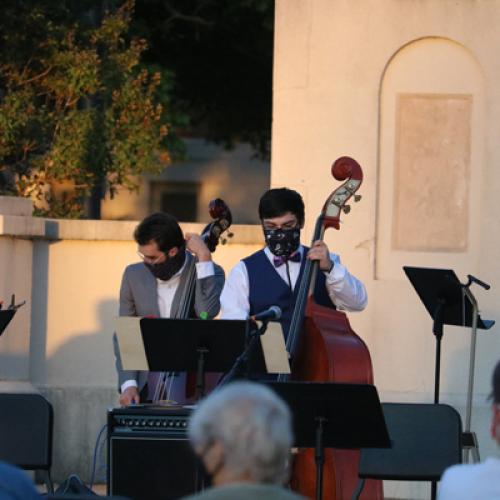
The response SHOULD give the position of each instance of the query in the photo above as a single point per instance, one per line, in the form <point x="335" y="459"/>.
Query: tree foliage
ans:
<point x="76" y="107"/>
<point x="220" y="53"/>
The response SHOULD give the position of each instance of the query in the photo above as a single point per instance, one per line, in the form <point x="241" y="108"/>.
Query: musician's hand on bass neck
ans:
<point x="319" y="251"/>
<point x="197" y="246"/>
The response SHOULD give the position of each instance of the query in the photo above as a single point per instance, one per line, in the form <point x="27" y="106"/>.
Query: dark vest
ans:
<point x="267" y="288"/>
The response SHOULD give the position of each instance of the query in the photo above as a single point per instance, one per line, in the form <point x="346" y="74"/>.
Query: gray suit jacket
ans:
<point x="139" y="297"/>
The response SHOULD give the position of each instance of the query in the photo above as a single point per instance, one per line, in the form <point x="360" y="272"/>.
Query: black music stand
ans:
<point x="6" y="315"/>
<point x="331" y="415"/>
<point x="198" y="345"/>
<point x="250" y="363"/>
<point x="5" y="318"/>
<point x="450" y="302"/>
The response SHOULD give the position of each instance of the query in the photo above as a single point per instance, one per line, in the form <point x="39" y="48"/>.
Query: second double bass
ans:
<point x="324" y="348"/>
<point x="280" y="275"/>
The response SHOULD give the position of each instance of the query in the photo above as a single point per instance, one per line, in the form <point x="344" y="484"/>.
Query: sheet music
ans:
<point x="274" y="349"/>
<point x="128" y="332"/>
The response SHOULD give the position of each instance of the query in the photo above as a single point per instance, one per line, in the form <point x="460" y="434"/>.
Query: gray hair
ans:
<point x="252" y="424"/>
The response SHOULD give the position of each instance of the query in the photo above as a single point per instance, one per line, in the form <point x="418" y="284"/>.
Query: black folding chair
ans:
<point x="425" y="438"/>
<point x="26" y="423"/>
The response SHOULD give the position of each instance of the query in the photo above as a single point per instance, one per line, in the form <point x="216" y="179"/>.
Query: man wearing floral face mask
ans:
<point x="269" y="277"/>
<point x="154" y="287"/>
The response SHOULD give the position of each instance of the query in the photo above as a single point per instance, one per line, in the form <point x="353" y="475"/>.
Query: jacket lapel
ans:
<point x="149" y="294"/>
<point x="182" y="283"/>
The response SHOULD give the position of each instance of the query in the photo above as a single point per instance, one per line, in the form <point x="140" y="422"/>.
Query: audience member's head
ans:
<point x="495" y="421"/>
<point x="242" y="432"/>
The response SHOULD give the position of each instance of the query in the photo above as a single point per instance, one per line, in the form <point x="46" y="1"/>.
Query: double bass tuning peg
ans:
<point x="347" y="208"/>
<point x="225" y="240"/>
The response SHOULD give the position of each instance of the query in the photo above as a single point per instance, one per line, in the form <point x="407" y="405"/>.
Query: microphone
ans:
<point x="473" y="279"/>
<point x="273" y="313"/>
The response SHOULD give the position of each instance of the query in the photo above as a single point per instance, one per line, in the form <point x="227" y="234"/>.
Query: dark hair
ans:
<point x="279" y="201"/>
<point x="161" y="228"/>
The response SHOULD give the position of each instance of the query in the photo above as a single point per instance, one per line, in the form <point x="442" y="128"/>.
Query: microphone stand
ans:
<point x="254" y="334"/>
<point x="470" y="442"/>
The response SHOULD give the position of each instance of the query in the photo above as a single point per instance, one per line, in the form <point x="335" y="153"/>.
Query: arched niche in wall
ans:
<point x="430" y="158"/>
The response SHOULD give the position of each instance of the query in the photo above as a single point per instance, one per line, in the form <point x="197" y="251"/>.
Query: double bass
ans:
<point x="211" y="235"/>
<point x="324" y="348"/>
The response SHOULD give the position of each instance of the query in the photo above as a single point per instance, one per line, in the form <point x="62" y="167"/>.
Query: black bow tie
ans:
<point x="279" y="261"/>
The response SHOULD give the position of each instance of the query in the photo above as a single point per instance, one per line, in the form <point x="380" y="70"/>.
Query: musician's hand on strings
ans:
<point x="130" y="396"/>
<point x="196" y="245"/>
<point x="319" y="251"/>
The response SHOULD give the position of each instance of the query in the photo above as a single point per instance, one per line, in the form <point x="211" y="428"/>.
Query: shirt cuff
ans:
<point x="204" y="269"/>
<point x="127" y="384"/>
<point x="336" y="274"/>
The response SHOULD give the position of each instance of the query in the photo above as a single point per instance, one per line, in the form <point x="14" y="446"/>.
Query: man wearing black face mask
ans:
<point x="270" y="276"/>
<point x="154" y="287"/>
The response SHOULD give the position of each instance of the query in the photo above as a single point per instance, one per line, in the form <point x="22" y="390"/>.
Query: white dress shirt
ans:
<point x="345" y="290"/>
<point x="471" y="481"/>
<point x="165" y="296"/>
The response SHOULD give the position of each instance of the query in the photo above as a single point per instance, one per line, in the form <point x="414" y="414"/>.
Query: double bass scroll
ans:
<point x="211" y="235"/>
<point x="344" y="169"/>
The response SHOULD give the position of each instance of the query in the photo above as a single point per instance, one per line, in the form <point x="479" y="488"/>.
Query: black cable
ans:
<point x="94" y="462"/>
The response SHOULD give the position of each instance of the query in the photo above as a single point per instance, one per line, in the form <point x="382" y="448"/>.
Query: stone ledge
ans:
<point x="67" y="229"/>
<point x="21" y="226"/>
<point x="105" y="230"/>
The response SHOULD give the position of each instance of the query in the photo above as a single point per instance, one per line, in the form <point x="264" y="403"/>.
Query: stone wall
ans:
<point x="59" y="343"/>
<point x="409" y="89"/>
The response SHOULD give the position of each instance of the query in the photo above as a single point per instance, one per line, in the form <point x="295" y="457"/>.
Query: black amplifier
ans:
<point x="149" y="419"/>
<point x="149" y="456"/>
